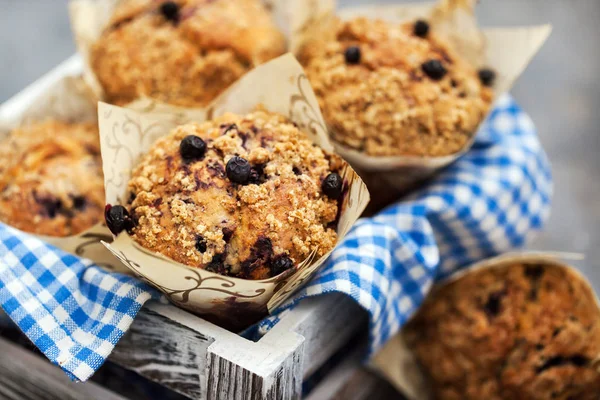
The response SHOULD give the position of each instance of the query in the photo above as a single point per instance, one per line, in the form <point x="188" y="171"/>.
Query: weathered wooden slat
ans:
<point x="26" y="376"/>
<point x="200" y="360"/>
<point x="365" y="385"/>
<point x="164" y="351"/>
<point x="326" y="323"/>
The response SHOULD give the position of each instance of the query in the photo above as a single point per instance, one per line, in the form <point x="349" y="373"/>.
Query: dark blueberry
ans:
<point x="200" y="244"/>
<point x="434" y="69"/>
<point x="487" y="76"/>
<point x="217" y="264"/>
<point x="227" y="234"/>
<point x="117" y="219"/>
<point x="260" y="254"/>
<point x="238" y="170"/>
<point x="170" y="10"/>
<point x="79" y="202"/>
<point x="281" y="264"/>
<point x="421" y="28"/>
<point x="296" y="171"/>
<point x="352" y="55"/>
<point x="534" y="271"/>
<point x="192" y="148"/>
<point x="332" y="185"/>
<point x="263" y="247"/>
<point x="493" y="305"/>
<point x="51" y="205"/>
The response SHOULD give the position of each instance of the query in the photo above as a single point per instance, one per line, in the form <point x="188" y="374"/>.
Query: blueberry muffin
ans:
<point x="183" y="52"/>
<point x="247" y="196"/>
<point x="524" y="331"/>
<point x="51" y="178"/>
<point x="396" y="90"/>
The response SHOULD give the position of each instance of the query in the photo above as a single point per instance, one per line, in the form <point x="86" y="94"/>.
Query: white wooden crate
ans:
<point x="203" y="361"/>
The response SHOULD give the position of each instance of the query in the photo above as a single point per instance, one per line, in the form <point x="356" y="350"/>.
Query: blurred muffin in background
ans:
<point x="51" y="178"/>
<point x="396" y="89"/>
<point x="183" y="52"/>
<point x="521" y="331"/>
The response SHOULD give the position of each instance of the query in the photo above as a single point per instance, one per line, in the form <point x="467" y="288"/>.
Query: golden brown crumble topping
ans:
<point x="187" y="61"/>
<point x="190" y="210"/>
<point x="51" y="178"/>
<point x="385" y="104"/>
<point x="525" y="331"/>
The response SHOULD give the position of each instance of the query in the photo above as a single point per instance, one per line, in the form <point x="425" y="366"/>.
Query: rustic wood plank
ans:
<point x="200" y="360"/>
<point x="365" y="385"/>
<point x="326" y="322"/>
<point x="26" y="376"/>
<point x="164" y="351"/>
<point x="268" y="369"/>
<point x="339" y="375"/>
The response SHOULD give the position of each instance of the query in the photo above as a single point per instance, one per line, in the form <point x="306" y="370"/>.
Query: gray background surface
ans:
<point x="560" y="90"/>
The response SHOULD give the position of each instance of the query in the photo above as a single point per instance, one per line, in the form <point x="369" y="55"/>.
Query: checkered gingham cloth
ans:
<point x="491" y="200"/>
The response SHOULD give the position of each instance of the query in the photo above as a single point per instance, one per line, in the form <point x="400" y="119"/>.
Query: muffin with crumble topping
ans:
<point x="51" y="178"/>
<point x="183" y="52"/>
<point x="248" y="196"/>
<point x="525" y="330"/>
<point x="390" y="89"/>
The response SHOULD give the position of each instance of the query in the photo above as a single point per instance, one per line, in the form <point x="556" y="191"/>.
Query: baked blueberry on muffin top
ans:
<point x="396" y="89"/>
<point x="183" y="52"/>
<point x="51" y="178"/>
<point x="242" y="195"/>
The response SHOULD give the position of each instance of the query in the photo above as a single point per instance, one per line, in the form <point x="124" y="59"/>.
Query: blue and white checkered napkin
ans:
<point x="491" y="200"/>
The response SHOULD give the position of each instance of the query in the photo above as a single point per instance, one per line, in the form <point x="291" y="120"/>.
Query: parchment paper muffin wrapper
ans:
<point x="89" y="18"/>
<point x="127" y="133"/>
<point x="67" y="100"/>
<point x="506" y="50"/>
<point x="396" y="362"/>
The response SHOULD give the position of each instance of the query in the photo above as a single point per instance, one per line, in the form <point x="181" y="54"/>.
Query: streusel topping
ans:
<point x="183" y="52"/>
<point x="389" y="89"/>
<point x="524" y="331"/>
<point x="51" y="178"/>
<point x="238" y="195"/>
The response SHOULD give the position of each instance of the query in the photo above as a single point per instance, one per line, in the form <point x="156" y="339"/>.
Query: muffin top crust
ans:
<point x="521" y="331"/>
<point x="183" y="52"/>
<point x="51" y="178"/>
<point x="396" y="89"/>
<point x="248" y="196"/>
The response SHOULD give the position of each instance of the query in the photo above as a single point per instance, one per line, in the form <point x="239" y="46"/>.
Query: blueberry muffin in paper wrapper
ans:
<point x="228" y="209"/>
<point x="518" y="326"/>
<point x="180" y="52"/>
<point x="405" y="88"/>
<point x="51" y="182"/>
